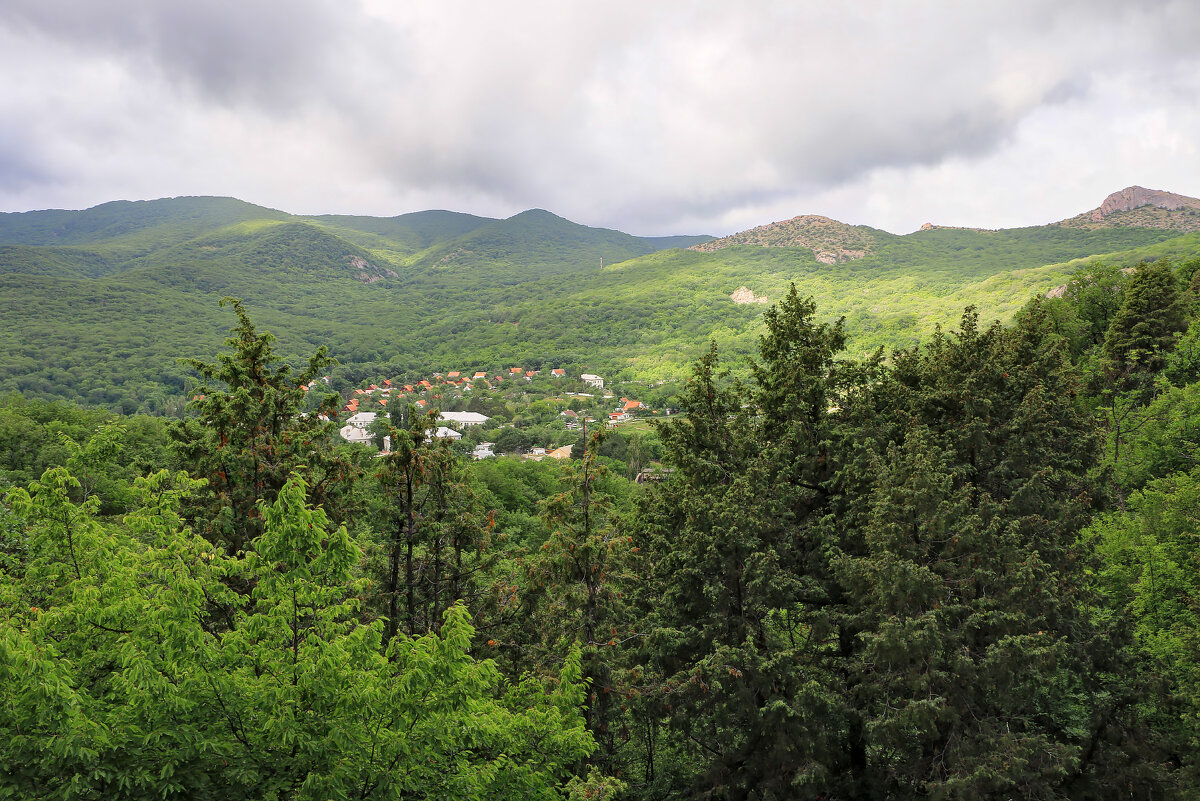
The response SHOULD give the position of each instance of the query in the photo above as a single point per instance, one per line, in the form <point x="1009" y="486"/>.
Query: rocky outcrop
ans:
<point x="744" y="294"/>
<point x="369" y="273"/>
<point x="1138" y="207"/>
<point x="1134" y="197"/>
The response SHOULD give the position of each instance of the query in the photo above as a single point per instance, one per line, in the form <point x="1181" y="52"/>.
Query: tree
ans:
<point x="741" y="565"/>
<point x="129" y="670"/>
<point x="1144" y="328"/>
<point x="250" y="432"/>
<point x="1150" y="579"/>
<point x="577" y="586"/>
<point x="868" y="581"/>
<point x="433" y="530"/>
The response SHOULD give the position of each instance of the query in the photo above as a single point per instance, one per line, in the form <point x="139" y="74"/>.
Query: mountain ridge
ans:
<point x="104" y="320"/>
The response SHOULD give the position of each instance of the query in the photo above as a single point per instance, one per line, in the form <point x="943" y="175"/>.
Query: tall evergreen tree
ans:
<point x="1143" y="330"/>
<point x="871" y="582"/>
<point x="250" y="432"/>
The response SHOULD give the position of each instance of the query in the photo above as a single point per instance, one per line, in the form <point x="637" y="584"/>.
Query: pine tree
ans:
<point x="249" y="432"/>
<point x="1143" y="330"/>
<point x="870" y="582"/>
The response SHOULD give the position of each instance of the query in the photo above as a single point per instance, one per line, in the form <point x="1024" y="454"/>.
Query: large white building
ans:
<point x="464" y="418"/>
<point x="593" y="380"/>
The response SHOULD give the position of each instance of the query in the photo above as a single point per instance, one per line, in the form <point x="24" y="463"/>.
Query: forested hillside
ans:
<point x="963" y="569"/>
<point x="101" y="305"/>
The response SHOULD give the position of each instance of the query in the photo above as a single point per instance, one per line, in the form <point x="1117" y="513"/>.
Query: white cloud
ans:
<point x="649" y="117"/>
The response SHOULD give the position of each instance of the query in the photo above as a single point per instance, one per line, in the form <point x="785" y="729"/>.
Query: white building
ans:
<point x="593" y="380"/>
<point x="352" y="433"/>
<point x="446" y="433"/>
<point x="361" y="420"/>
<point x="464" y="418"/>
<point x="483" y="450"/>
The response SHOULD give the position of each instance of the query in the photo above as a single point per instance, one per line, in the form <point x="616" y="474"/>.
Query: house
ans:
<point x="560" y="453"/>
<point x="455" y="374"/>
<point x="515" y="371"/>
<point x="483" y="450"/>
<point x="464" y="418"/>
<point x="593" y="380"/>
<point x="352" y="433"/>
<point x="478" y="375"/>
<point x="361" y="420"/>
<point x="446" y="433"/>
<point x="558" y="372"/>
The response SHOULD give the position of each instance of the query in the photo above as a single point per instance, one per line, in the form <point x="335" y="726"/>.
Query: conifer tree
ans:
<point x="870" y="582"/>
<point x="250" y="432"/>
<point x="1143" y="329"/>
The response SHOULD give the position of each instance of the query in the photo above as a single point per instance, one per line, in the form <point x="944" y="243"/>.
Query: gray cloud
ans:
<point x="647" y="117"/>
<point x="255" y="51"/>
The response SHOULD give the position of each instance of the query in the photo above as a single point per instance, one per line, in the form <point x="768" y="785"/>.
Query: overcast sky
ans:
<point x="653" y="117"/>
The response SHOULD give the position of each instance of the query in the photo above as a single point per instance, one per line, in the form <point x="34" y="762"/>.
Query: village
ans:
<point x="522" y="413"/>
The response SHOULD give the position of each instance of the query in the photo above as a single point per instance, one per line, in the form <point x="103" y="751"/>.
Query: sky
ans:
<point x="653" y="118"/>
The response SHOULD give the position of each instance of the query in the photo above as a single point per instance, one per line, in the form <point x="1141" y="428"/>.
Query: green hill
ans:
<point x="100" y="304"/>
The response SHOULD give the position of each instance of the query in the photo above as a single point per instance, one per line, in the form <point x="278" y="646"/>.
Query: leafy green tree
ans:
<point x="1149" y="575"/>
<point x="1095" y="294"/>
<point x="128" y="669"/>
<point x="249" y="432"/>
<point x="736" y="551"/>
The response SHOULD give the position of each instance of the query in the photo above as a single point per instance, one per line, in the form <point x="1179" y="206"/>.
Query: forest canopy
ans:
<point x="964" y="570"/>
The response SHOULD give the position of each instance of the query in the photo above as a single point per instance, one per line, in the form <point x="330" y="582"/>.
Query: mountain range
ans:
<point x="100" y="305"/>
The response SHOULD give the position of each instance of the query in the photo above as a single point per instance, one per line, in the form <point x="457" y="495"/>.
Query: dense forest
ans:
<point x="964" y="569"/>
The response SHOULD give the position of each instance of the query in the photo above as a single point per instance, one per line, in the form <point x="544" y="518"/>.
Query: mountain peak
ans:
<point x="1139" y="207"/>
<point x="829" y="240"/>
<point x="1134" y="197"/>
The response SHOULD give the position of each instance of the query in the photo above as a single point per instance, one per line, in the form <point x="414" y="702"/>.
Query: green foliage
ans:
<point x="128" y="669"/>
<point x="867" y="581"/>
<point x="433" y="532"/>
<point x="1149" y="574"/>
<point x="1144" y="327"/>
